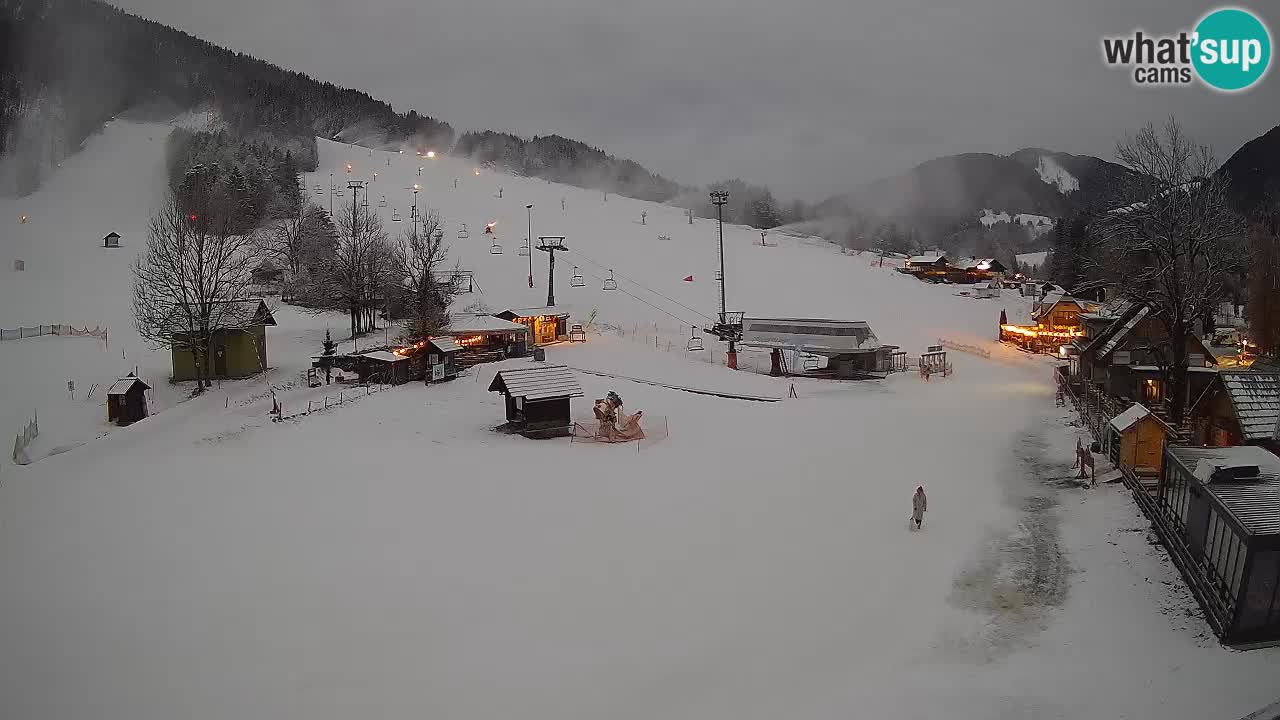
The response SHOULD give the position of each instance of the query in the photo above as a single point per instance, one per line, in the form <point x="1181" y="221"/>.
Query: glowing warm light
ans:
<point x="431" y="153"/>
<point x="416" y="188"/>
<point x="348" y="167"/>
<point x="490" y="225"/>
<point x="24" y="218"/>
<point x="477" y="171"/>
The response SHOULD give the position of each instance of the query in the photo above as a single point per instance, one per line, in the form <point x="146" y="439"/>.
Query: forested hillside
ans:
<point x="67" y="66"/>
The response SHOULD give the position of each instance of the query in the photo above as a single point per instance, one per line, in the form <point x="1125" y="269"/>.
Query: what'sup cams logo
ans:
<point x="1229" y="50"/>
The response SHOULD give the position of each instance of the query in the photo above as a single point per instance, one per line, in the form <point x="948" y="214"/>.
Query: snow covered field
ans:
<point x="395" y="558"/>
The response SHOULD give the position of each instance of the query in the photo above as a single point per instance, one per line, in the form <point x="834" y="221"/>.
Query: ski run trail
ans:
<point x="393" y="557"/>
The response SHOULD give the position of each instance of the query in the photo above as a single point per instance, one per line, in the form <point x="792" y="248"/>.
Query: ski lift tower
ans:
<point x="551" y="244"/>
<point x="729" y="328"/>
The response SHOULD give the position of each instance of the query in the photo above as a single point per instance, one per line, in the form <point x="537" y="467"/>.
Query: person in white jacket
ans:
<point x="919" y="503"/>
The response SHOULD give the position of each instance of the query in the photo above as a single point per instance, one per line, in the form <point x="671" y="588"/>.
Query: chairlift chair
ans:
<point x="395" y="215"/>
<point x="524" y="249"/>
<point x="495" y="248"/>
<point x="719" y="275"/>
<point x="610" y="283"/>
<point x="576" y="280"/>
<point x="695" y="342"/>
<point x="319" y="190"/>
<point x="382" y="201"/>
<point x="810" y="363"/>
<point x="463" y="234"/>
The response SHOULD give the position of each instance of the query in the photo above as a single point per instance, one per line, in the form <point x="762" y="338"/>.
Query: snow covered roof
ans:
<point x="480" y="324"/>
<point x="977" y="263"/>
<point x="1255" y="501"/>
<point x="381" y="356"/>
<point x="930" y="259"/>
<point x="1255" y="397"/>
<point x="1123" y="328"/>
<point x="122" y="386"/>
<point x="820" y="337"/>
<point x="542" y="382"/>
<point x="532" y="312"/>
<point x="1130" y="417"/>
<point x="444" y="345"/>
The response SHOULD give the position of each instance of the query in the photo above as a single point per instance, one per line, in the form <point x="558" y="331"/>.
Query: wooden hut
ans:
<point x="1218" y="512"/>
<point x="1137" y="444"/>
<point x="442" y="358"/>
<point x="538" y="399"/>
<point x="112" y="240"/>
<point x="127" y="400"/>
<point x="1240" y="407"/>
<point x="382" y="366"/>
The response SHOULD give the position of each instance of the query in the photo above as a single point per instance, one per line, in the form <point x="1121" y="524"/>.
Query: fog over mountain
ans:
<point x="814" y="97"/>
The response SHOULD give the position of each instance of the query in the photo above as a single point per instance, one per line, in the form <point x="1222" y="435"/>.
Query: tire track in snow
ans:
<point x="1021" y="574"/>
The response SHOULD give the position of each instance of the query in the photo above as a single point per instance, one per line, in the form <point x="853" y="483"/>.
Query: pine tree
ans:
<point x="326" y="357"/>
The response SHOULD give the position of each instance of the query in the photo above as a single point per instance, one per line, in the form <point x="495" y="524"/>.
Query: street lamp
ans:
<point x="414" y="212"/>
<point x="529" y="212"/>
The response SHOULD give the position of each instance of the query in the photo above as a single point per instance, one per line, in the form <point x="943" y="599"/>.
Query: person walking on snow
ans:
<point x="919" y="503"/>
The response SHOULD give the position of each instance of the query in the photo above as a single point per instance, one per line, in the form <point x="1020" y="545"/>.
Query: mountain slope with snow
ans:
<point x="395" y="557"/>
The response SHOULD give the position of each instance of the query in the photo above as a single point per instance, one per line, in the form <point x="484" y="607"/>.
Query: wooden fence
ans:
<point x="19" y="333"/>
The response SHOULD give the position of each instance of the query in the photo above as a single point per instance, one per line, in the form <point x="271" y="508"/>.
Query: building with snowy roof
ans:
<point x="1240" y="407"/>
<point x="485" y="337"/>
<point x="1218" y="512"/>
<point x="537" y="398"/>
<point x="1137" y="444"/>
<point x="237" y="342"/>
<point x="127" y="400"/>
<point x="546" y="324"/>
<point x="850" y="346"/>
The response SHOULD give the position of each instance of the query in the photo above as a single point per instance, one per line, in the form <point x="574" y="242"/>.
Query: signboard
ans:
<point x="1121" y="357"/>
<point x="437" y="372"/>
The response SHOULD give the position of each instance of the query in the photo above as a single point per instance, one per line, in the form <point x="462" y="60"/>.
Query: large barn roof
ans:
<point x="543" y="382"/>
<point x="816" y="336"/>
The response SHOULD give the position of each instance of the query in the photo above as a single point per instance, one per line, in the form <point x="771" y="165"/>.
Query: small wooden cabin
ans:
<point x="442" y="358"/>
<point x="1240" y="407"/>
<point x="1218" y="511"/>
<point x="485" y="338"/>
<point x="127" y="400"/>
<point x="112" y="240"/>
<point x="537" y="399"/>
<point x="1137" y="444"/>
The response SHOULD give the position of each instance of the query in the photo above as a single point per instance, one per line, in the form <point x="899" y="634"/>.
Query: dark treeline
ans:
<point x="567" y="161"/>
<point x="68" y="66"/>
<point x="259" y="178"/>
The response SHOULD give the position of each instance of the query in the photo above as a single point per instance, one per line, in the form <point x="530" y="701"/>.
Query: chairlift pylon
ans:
<point x="695" y="342"/>
<point x="495" y="248"/>
<point x="576" y="280"/>
<point x="610" y="283"/>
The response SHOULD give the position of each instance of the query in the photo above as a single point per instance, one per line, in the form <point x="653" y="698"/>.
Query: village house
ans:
<point x="1240" y="407"/>
<point x="1123" y="353"/>
<point x="238" y="344"/>
<point x="928" y="265"/>
<point x="546" y="325"/>
<point x="112" y="240"/>
<point x="1055" y="325"/>
<point x="1218" y="513"/>
<point x="976" y="269"/>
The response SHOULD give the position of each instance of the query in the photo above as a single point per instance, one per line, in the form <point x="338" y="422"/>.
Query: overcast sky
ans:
<point x="809" y="96"/>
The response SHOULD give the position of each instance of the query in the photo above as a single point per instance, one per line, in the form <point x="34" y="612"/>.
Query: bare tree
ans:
<point x="429" y="287"/>
<point x="299" y="241"/>
<point x="194" y="276"/>
<point x="355" y="276"/>
<point x="1172" y="242"/>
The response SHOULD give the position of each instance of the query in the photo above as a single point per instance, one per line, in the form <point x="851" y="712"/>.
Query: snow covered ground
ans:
<point x="1054" y="174"/>
<point x="393" y="557"/>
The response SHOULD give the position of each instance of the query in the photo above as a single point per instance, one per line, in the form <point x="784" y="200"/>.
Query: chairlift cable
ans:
<point x="642" y="286"/>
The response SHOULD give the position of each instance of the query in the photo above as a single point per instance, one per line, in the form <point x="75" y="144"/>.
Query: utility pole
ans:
<point x="529" y="212"/>
<point x="551" y="244"/>
<point x="720" y="198"/>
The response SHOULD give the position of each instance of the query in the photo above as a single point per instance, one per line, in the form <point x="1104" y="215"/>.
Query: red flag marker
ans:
<point x="689" y="279"/>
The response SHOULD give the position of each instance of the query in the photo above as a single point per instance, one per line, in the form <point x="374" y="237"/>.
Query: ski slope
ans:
<point x="393" y="557"/>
